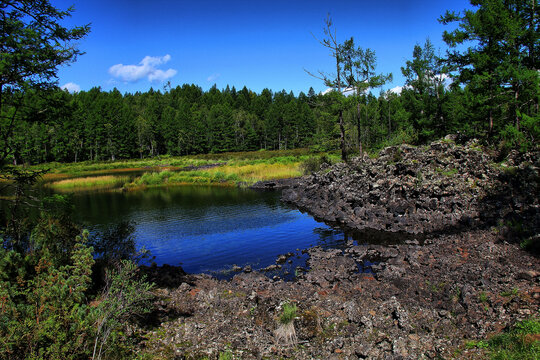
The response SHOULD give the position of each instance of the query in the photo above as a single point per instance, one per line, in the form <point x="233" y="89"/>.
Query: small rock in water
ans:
<point x="236" y="268"/>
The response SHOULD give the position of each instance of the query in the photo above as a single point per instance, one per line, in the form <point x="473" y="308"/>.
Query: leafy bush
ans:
<point x="125" y="296"/>
<point x="314" y="164"/>
<point x="45" y="282"/>
<point x="43" y="314"/>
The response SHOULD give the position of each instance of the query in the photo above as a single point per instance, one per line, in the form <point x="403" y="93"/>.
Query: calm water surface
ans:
<point x="208" y="229"/>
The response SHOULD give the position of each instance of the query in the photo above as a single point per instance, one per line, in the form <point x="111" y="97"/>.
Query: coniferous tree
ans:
<point x="424" y="91"/>
<point x="33" y="45"/>
<point x="359" y="71"/>
<point x="500" y="66"/>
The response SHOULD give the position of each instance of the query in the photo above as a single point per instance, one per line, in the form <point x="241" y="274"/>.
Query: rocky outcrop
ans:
<point x="274" y="184"/>
<point x="421" y="302"/>
<point x="439" y="187"/>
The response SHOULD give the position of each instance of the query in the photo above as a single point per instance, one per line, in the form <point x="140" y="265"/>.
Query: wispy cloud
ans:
<point x="147" y="68"/>
<point x="213" y="77"/>
<point x="71" y="87"/>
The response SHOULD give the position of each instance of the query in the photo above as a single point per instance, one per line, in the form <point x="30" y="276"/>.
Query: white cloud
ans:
<point x="71" y="87"/>
<point x="347" y="91"/>
<point x="160" y="75"/>
<point x="147" y="68"/>
<point x="327" y="91"/>
<point x="397" y="89"/>
<point x="213" y="77"/>
<point x="445" y="79"/>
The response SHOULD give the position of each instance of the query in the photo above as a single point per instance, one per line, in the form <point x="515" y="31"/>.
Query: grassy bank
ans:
<point x="228" y="169"/>
<point x="518" y="343"/>
<point x="88" y="183"/>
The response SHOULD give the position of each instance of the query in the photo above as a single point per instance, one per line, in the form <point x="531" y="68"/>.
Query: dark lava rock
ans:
<point x="438" y="187"/>
<point x="281" y="259"/>
<point x="274" y="184"/>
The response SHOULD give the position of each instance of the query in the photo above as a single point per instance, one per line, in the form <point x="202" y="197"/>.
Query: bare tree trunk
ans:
<point x="342" y="136"/>
<point x="358" y="129"/>
<point x="490" y="122"/>
<point x="516" y="117"/>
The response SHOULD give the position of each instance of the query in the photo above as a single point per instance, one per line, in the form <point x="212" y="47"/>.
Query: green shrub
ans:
<point x="43" y="310"/>
<point x="519" y="343"/>
<point x="124" y="297"/>
<point x="313" y="164"/>
<point x="45" y="282"/>
<point x="286" y="332"/>
<point x="289" y="313"/>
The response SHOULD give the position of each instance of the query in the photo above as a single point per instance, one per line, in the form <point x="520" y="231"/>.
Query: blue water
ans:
<point x="208" y="229"/>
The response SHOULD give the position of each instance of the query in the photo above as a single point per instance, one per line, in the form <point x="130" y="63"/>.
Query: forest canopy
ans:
<point x="486" y="86"/>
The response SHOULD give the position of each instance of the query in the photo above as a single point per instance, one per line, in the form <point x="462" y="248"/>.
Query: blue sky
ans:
<point x="136" y="44"/>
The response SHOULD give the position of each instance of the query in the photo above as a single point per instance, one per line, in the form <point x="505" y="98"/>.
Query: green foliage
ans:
<point x="425" y="93"/>
<point x="531" y="244"/>
<point x="482" y="297"/>
<point x="43" y="308"/>
<point x="499" y="66"/>
<point x="523" y="137"/>
<point x="226" y="355"/>
<point x="519" y="343"/>
<point x="314" y="164"/>
<point x="289" y="313"/>
<point x="45" y="290"/>
<point x="513" y="138"/>
<point x="511" y="293"/>
<point x="125" y="296"/>
<point x="33" y="45"/>
<point x="449" y="172"/>
<point x="154" y="178"/>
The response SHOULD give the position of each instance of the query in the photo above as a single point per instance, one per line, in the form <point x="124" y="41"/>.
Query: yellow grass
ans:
<point x="258" y="172"/>
<point x="98" y="182"/>
<point x="50" y="177"/>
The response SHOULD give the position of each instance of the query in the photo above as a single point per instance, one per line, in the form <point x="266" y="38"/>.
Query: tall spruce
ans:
<point x="424" y="91"/>
<point x="500" y="64"/>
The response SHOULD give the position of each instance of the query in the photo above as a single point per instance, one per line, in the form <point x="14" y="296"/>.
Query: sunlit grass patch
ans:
<point x="518" y="343"/>
<point x="208" y="169"/>
<point x="153" y="178"/>
<point x="97" y="182"/>
<point x="258" y="172"/>
<point x="230" y="174"/>
<point x="108" y="167"/>
<point x="521" y="342"/>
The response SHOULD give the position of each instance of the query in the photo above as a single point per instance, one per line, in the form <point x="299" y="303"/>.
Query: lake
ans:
<point x="208" y="229"/>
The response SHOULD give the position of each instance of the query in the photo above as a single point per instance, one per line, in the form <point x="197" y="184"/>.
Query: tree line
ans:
<point x="185" y="120"/>
<point x="489" y="90"/>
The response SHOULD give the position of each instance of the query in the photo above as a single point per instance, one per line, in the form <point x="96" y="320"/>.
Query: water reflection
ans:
<point x="210" y="229"/>
<point x="207" y="229"/>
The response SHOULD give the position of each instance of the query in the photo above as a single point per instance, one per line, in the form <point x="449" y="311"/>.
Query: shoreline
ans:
<point x="422" y="300"/>
<point x="464" y="282"/>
